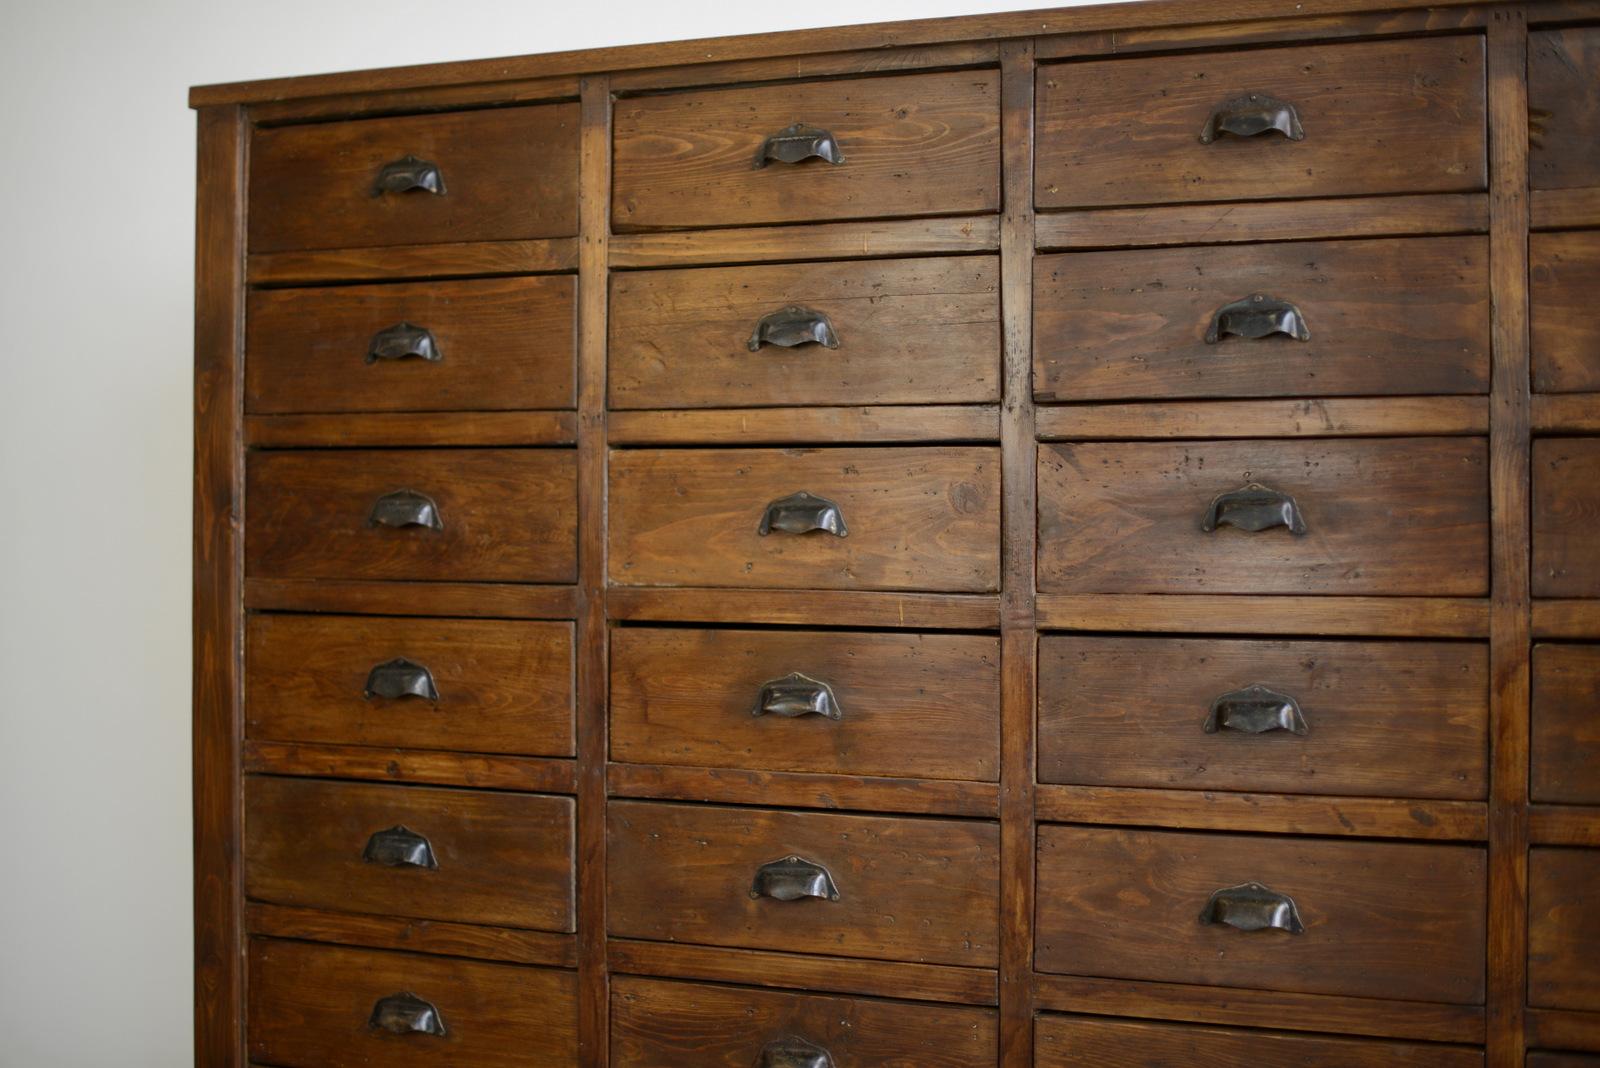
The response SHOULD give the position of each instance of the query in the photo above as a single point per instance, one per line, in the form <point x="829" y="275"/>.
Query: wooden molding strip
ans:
<point x="1557" y="209"/>
<point x="819" y="65"/>
<point x="410" y="101"/>
<point x="1329" y="417"/>
<point x="417" y="429"/>
<point x="797" y="790"/>
<point x="1566" y="619"/>
<point x="749" y="967"/>
<point x="473" y="599"/>
<point x="1564" y="825"/>
<point x="1296" y="220"/>
<point x="833" y="608"/>
<point x="1566" y="413"/>
<point x="1209" y="810"/>
<point x="820" y="241"/>
<point x="1290" y="1012"/>
<point x="468" y="259"/>
<point x="414" y="936"/>
<point x="769" y="426"/>
<point x="1420" y="617"/>
<point x="1561" y="1029"/>
<point x="486" y="771"/>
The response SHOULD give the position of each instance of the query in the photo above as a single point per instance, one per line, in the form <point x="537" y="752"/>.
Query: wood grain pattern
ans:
<point x="1556" y="209"/>
<point x="1066" y="1041"/>
<point x="1385" y="317"/>
<point x="1563" y="929"/>
<point x="480" y="599"/>
<point x="508" y="515"/>
<point x="1394" y="516"/>
<point x="918" y="890"/>
<point x="1562" y="1060"/>
<point x="509" y="173"/>
<point x="504" y="344"/>
<point x="1563" y="1030"/>
<point x="416" y="936"/>
<point x="413" y="101"/>
<point x="845" y="608"/>
<point x="1564" y="276"/>
<point x="1419" y="617"/>
<point x="502" y="859"/>
<point x="911" y="705"/>
<point x="1382" y="920"/>
<point x="424" y="766"/>
<point x="1566" y="500"/>
<point x="656" y="1023"/>
<point x="1563" y="825"/>
<point x="1571" y="413"/>
<point x="914" y="423"/>
<point x="1127" y="131"/>
<point x="380" y="429"/>
<point x="403" y="262"/>
<point x="503" y="687"/>
<point x="875" y="60"/>
<point x="1564" y="116"/>
<point x="1382" y="718"/>
<point x="1566" y="724"/>
<point x="918" y="144"/>
<point x="909" y="332"/>
<point x="1325" y="417"/>
<point x="918" y="518"/>
<point x="807" y="241"/>
<point x="309" y="1007"/>
<point x="736" y="786"/>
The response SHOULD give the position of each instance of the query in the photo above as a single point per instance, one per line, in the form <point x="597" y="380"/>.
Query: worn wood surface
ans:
<point x="484" y="599"/>
<point x="1556" y="209"/>
<point x="404" y="262"/>
<point x="1563" y="110"/>
<point x="737" y="786"/>
<point x="1563" y="929"/>
<point x="1421" y="617"/>
<point x="1566" y="500"/>
<point x="1562" y="1060"/>
<point x="807" y="241"/>
<point x="505" y="944"/>
<point x="1566" y="725"/>
<point x="844" y="608"/>
<point x="1324" y="417"/>
<point x="908" y="332"/>
<point x="1564" y="274"/>
<point x="416" y="429"/>
<point x="1554" y="1028"/>
<point x="1563" y="825"/>
<point x="1572" y="413"/>
<point x="916" y="144"/>
<point x="807" y="67"/>
<point x="425" y="766"/>
<point x="909" y="424"/>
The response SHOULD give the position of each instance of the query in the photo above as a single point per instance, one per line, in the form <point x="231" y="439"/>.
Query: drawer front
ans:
<point x="1566" y="724"/>
<point x="506" y="515"/>
<point x="1564" y="275"/>
<point x="1348" y="318"/>
<point x="463" y="855"/>
<point x="486" y="344"/>
<point x="657" y="1024"/>
<point x="313" y="1006"/>
<point x="902" y="518"/>
<point x="1563" y="929"/>
<point x="875" y="332"/>
<point x="1563" y="1060"/>
<point x="498" y="174"/>
<point x="907" y="889"/>
<point x="1071" y="1041"/>
<point x="479" y="686"/>
<point x="1566" y="502"/>
<point x="1383" y="117"/>
<point x="911" y="705"/>
<point x="1360" y="718"/>
<point x="1564" y="110"/>
<point x="1380" y="919"/>
<point x="1395" y="516"/>
<point x="921" y="144"/>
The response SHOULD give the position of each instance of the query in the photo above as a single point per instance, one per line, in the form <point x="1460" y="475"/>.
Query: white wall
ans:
<point x="96" y="203"/>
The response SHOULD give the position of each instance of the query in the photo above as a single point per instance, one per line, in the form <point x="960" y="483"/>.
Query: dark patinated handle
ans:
<point x="797" y="695"/>
<point x="799" y="142"/>
<point x="801" y="513"/>
<point x="791" y="1051"/>
<point x="1248" y="116"/>
<point x="408" y="173"/>
<point x="405" y="508"/>
<point x="1254" y="508"/>
<point x="402" y="341"/>
<point x="793" y="878"/>
<point x="398" y="678"/>
<point x="1256" y="316"/>
<point x="1252" y="907"/>
<point x="1256" y="710"/>
<point x="406" y="1014"/>
<point x="400" y="847"/>
<point x="791" y="326"/>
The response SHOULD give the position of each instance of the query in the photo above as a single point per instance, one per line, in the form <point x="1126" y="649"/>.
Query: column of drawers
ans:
<point x="1257" y="708"/>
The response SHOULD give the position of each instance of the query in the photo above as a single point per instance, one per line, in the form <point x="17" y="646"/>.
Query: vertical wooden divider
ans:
<point x="218" y="585"/>
<point x="1018" y="639"/>
<point x="1509" y="623"/>
<point x="594" y="230"/>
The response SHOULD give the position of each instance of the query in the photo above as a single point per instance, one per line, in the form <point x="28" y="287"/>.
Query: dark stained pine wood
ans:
<point x="481" y="599"/>
<point x="431" y="767"/>
<point x="807" y="241"/>
<point x="1566" y="500"/>
<point x="740" y="786"/>
<point x="843" y="608"/>
<point x="378" y="429"/>
<point x="1563" y="110"/>
<point x="912" y="423"/>
<point x="402" y="262"/>
<point x="1564" y="275"/>
<point x="416" y="936"/>
<point x="1322" y="417"/>
<point x="1566" y="725"/>
<point x="1421" y="617"/>
<point x="1563" y="929"/>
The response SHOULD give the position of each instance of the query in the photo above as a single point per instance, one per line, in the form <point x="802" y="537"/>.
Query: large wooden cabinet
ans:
<point x="1064" y="538"/>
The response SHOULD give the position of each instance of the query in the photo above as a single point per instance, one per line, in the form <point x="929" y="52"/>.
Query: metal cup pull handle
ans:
<point x="405" y="508"/>
<point x="798" y="142"/>
<point x="406" y="1014"/>
<point x="791" y="1051"/>
<point x="397" y="678"/>
<point x="791" y="326"/>
<point x="1256" y="709"/>
<point x="404" y="341"/>
<point x="802" y="513"/>
<point x="1250" y="116"/>
<point x="1257" y="316"/>
<point x="797" y="695"/>
<point x="1254" y="508"/>
<point x="400" y="847"/>
<point x="1252" y="907"/>
<point x="409" y="173"/>
<point x="793" y="878"/>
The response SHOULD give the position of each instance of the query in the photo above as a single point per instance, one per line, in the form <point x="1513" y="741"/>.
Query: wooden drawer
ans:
<point x="313" y="1006"/>
<point x="907" y="889"/>
<point x="1395" y="516"/>
<point x="660" y="1024"/>
<point x="1397" y="719"/>
<point x="1563" y="1060"/>
<point x="1566" y="724"/>
<point x="489" y="344"/>
<point x="477" y="685"/>
<point x="1381" y="919"/>
<point x="1563" y="929"/>
<point x="1379" y="117"/>
<point x="1566" y="501"/>
<point x="919" y="144"/>
<point x="507" y="515"/>
<point x="1564" y="275"/>
<point x="913" y="705"/>
<point x="505" y="173"/>
<point x="1563" y="108"/>
<point x="909" y="518"/>
<point x="464" y="855"/>
<point x="1368" y="317"/>
<point x="1071" y="1041"/>
<point x="891" y="332"/>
